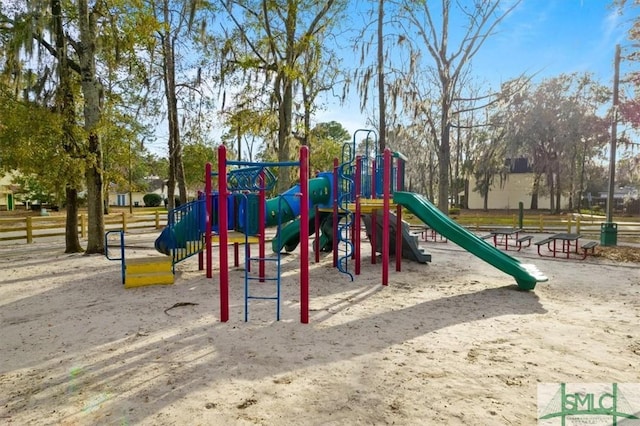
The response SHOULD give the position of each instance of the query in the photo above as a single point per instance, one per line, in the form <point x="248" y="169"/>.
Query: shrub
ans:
<point x="152" y="200"/>
<point x="454" y="211"/>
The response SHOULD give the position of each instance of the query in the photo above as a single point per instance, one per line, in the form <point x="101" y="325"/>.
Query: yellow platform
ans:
<point x="236" y="237"/>
<point x="157" y="270"/>
<point x="367" y="206"/>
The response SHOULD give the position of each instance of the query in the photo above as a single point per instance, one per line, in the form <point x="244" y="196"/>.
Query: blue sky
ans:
<point x="542" y="37"/>
<point x="553" y="37"/>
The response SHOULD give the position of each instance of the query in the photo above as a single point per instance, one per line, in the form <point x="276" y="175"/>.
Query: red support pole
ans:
<point x="374" y="215"/>
<point x="386" y="178"/>
<point x="356" y="224"/>
<point x="304" y="235"/>
<point x="351" y="229"/>
<point x="208" y="196"/>
<point x="399" y="230"/>
<point x="262" y="208"/>
<point x="374" y="236"/>
<point x="335" y="212"/>
<point x="399" y="236"/>
<point x="316" y="241"/>
<point x="223" y="233"/>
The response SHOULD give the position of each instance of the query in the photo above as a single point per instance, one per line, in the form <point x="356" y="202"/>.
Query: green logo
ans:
<point x="588" y="403"/>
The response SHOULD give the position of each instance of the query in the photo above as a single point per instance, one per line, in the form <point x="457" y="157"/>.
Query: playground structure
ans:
<point x="332" y="206"/>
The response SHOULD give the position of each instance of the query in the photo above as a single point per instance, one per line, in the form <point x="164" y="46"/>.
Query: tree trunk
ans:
<point x="551" y="186"/>
<point x="432" y="171"/>
<point x="72" y="242"/>
<point x="182" y="184"/>
<point x="485" y="188"/>
<point x="572" y="179"/>
<point x="105" y="201"/>
<point x="457" y="179"/>
<point x="582" y="163"/>
<point x="558" y="195"/>
<point x="534" y="192"/>
<point x="171" y="180"/>
<point x="91" y="90"/>
<point x="444" y="150"/>
<point x="65" y="104"/>
<point x="284" y="86"/>
<point x="285" y="113"/>
<point x="465" y="205"/>
<point x="95" y="200"/>
<point x="176" y="172"/>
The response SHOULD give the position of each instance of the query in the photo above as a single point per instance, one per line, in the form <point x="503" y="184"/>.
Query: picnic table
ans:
<point x="508" y="237"/>
<point x="430" y="234"/>
<point x="566" y="245"/>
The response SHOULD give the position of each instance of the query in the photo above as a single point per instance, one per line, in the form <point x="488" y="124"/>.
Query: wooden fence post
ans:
<point x="29" y="230"/>
<point x="157" y="219"/>
<point x="541" y="226"/>
<point x="124" y="222"/>
<point x="83" y="226"/>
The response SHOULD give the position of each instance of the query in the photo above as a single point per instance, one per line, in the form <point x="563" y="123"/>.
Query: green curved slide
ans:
<point x="285" y="209"/>
<point x="288" y="236"/>
<point x="286" y="206"/>
<point x="526" y="275"/>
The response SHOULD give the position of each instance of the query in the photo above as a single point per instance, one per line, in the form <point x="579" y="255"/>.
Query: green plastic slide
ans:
<point x="286" y="208"/>
<point x="289" y="234"/>
<point x="526" y="275"/>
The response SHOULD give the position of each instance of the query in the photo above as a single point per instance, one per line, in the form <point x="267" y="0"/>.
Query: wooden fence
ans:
<point x="545" y="224"/>
<point x="28" y="228"/>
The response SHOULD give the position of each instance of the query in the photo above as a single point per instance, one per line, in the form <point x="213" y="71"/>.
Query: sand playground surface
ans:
<point x="450" y="342"/>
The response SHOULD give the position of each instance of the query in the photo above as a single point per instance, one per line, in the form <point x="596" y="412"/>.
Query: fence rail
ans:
<point x="540" y="223"/>
<point x="31" y="227"/>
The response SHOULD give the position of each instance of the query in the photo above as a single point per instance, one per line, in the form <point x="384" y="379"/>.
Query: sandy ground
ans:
<point x="451" y="342"/>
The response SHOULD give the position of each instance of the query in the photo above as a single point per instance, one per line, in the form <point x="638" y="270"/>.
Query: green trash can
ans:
<point x="609" y="234"/>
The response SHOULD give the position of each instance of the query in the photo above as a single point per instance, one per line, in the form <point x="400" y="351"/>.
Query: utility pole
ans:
<point x="609" y="230"/>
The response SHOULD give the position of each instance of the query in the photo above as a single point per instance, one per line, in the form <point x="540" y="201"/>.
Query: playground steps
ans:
<point x="157" y="270"/>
